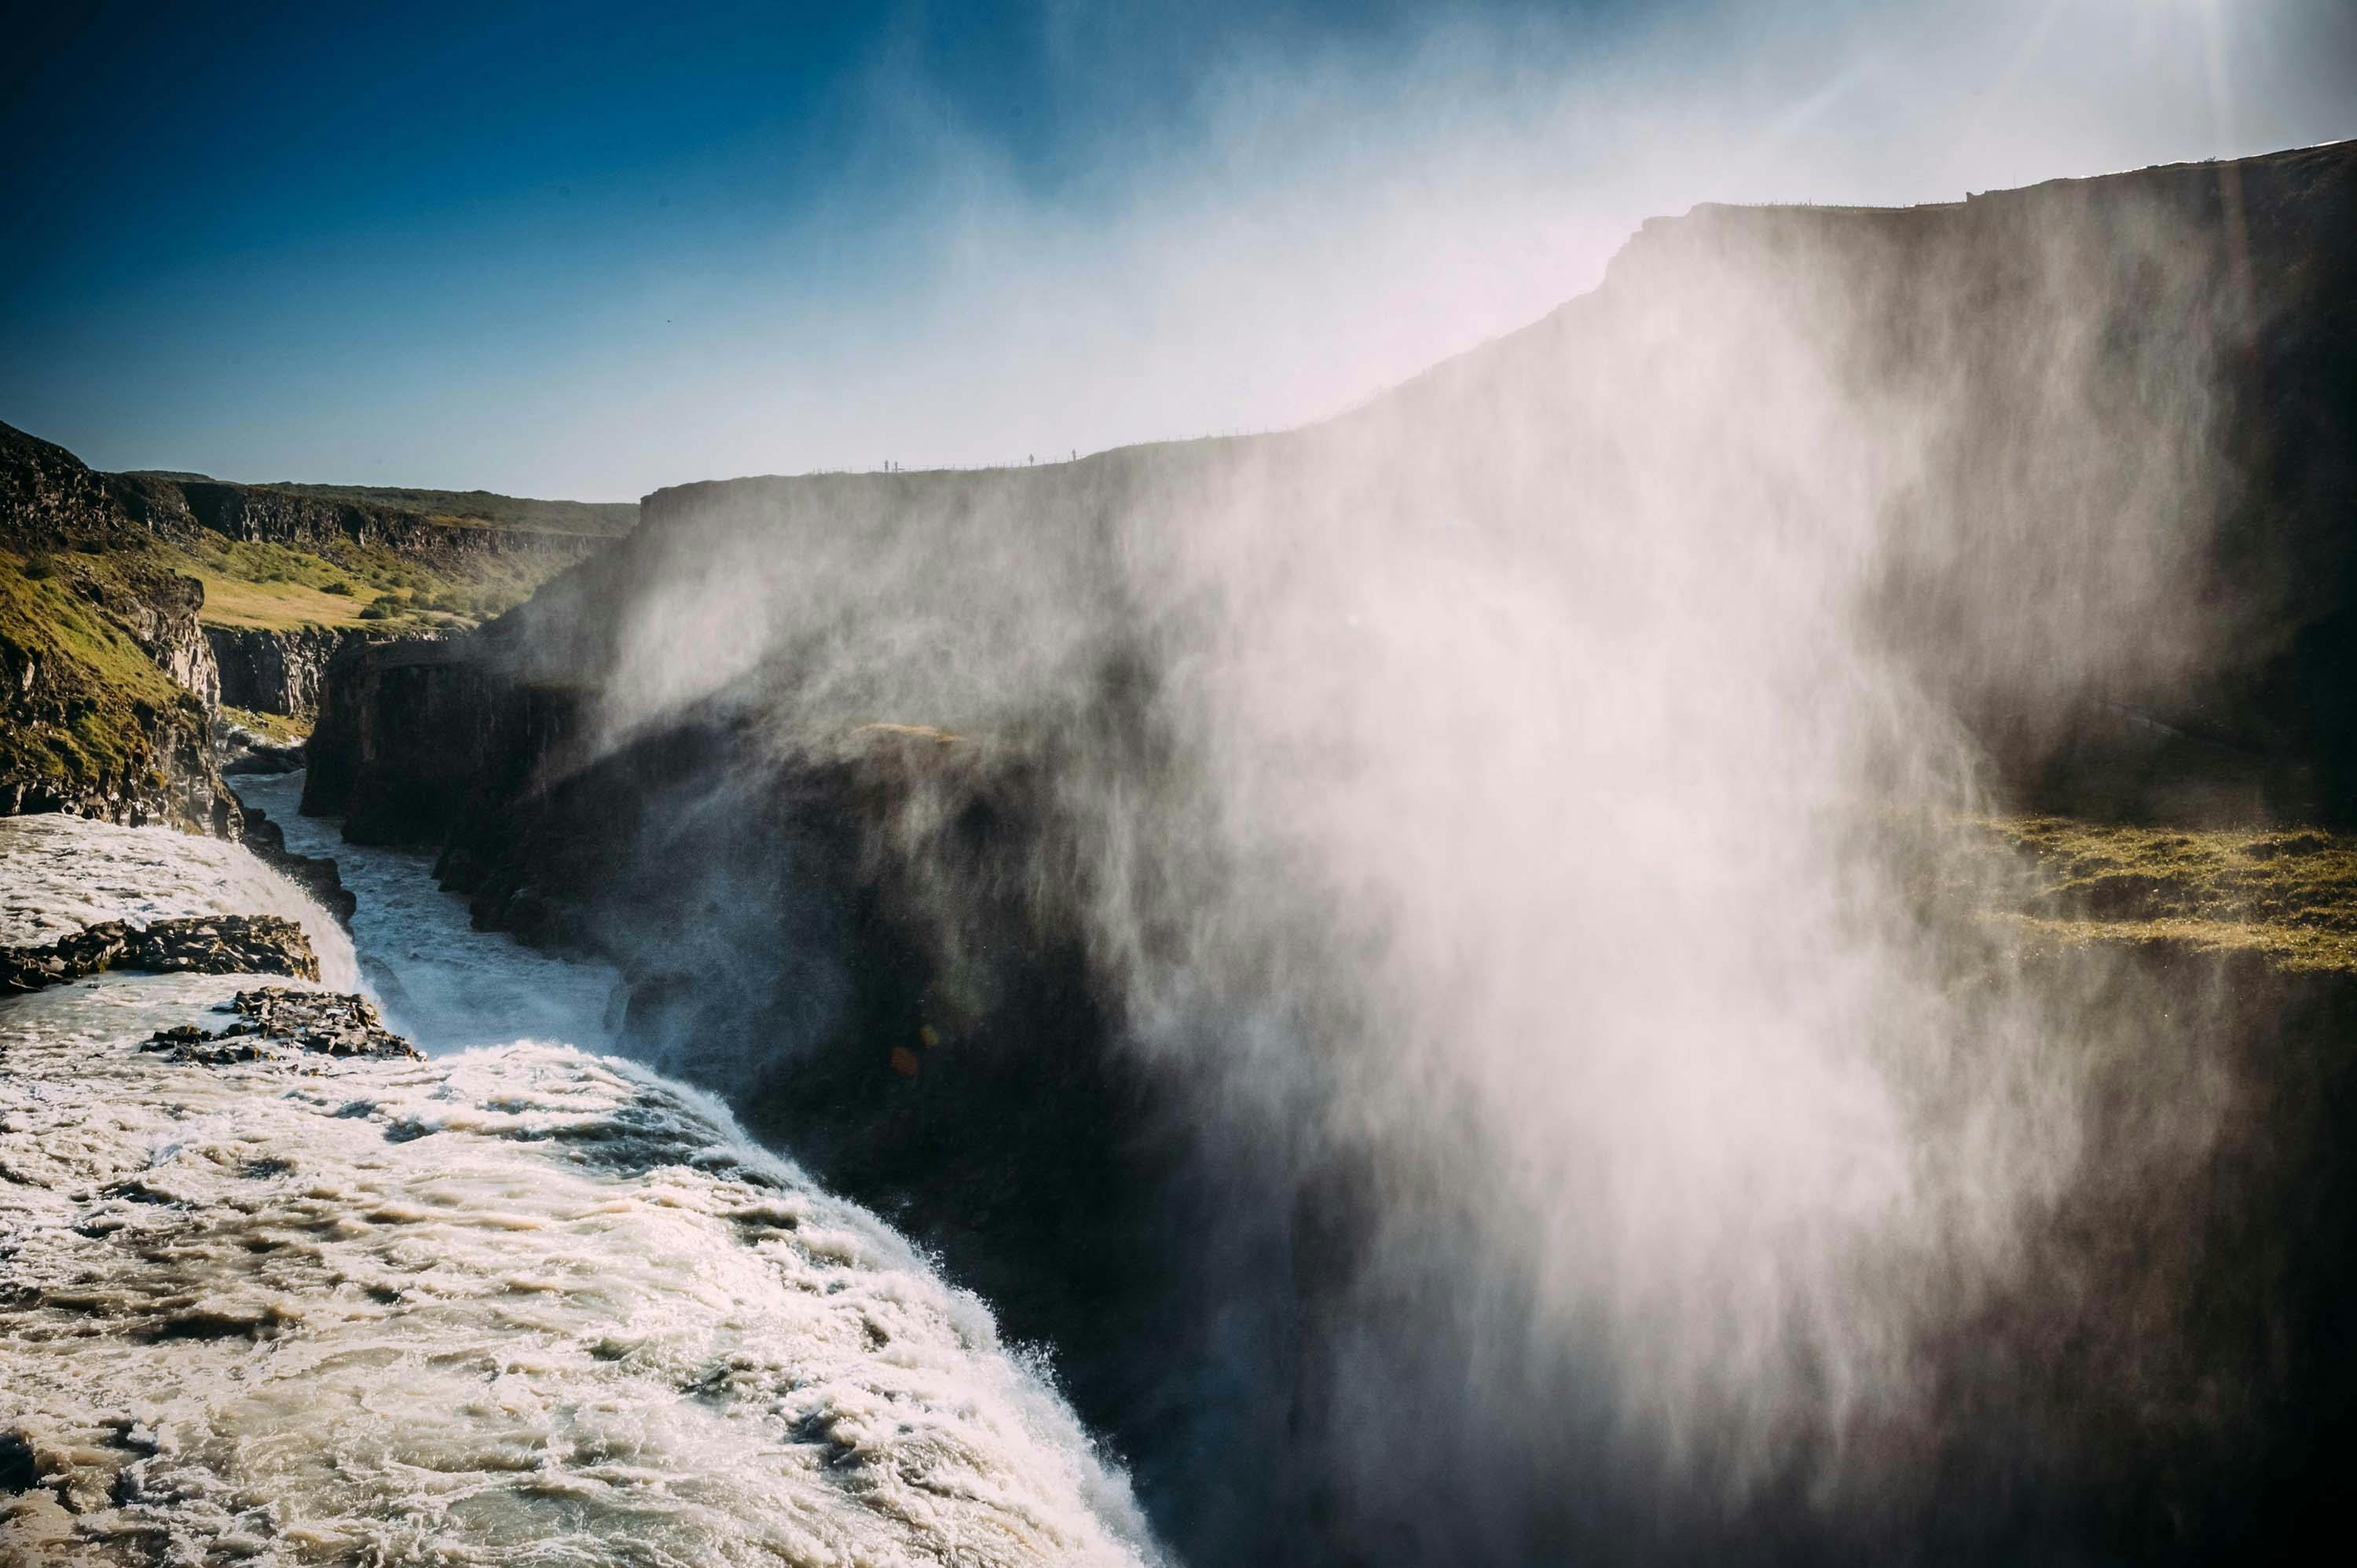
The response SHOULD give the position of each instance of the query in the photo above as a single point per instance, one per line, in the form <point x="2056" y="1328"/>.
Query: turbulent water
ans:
<point x="515" y="1304"/>
<point x="441" y="983"/>
<point x="58" y="874"/>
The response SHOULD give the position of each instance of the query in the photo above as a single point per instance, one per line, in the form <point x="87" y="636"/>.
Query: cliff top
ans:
<point x="460" y="508"/>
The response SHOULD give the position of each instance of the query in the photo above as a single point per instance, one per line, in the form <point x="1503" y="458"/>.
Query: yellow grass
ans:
<point x="275" y="606"/>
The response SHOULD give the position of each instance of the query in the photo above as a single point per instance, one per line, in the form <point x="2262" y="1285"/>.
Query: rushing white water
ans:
<point x="438" y="981"/>
<point x="517" y="1305"/>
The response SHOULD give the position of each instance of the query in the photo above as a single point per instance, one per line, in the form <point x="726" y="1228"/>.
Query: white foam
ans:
<point x="60" y="874"/>
<point x="517" y="1306"/>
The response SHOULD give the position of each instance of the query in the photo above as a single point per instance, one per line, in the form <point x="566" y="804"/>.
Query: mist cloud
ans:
<point x="1527" y="816"/>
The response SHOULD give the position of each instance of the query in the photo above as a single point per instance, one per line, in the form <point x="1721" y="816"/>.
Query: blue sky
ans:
<point x="590" y="248"/>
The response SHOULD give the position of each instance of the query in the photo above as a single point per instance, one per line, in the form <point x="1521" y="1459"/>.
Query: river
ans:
<point x="518" y="1302"/>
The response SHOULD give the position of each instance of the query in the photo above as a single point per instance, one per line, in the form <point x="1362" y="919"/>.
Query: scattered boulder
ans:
<point x="330" y="1023"/>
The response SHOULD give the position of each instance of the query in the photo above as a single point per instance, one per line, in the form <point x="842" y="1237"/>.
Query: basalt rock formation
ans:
<point x="268" y="671"/>
<point x="868" y="745"/>
<point x="410" y="732"/>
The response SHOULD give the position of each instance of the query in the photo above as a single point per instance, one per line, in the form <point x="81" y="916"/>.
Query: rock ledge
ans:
<point x="203" y="944"/>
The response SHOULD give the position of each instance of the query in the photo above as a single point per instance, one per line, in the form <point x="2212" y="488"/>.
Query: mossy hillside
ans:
<point x="278" y="557"/>
<point x="91" y="700"/>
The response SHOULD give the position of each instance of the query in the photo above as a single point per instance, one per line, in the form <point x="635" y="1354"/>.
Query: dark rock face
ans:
<point x="46" y="492"/>
<point x="326" y="1023"/>
<point x="170" y="779"/>
<point x="209" y="944"/>
<point x="276" y="672"/>
<point x="161" y="616"/>
<point x="409" y="732"/>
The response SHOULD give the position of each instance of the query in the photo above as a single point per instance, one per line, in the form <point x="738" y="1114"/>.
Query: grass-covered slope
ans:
<point x="279" y="557"/>
<point x="109" y="584"/>
<point x="104" y="674"/>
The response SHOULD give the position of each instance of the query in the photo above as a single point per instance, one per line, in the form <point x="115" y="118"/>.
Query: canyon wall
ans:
<point x="277" y="671"/>
<point x="110" y="675"/>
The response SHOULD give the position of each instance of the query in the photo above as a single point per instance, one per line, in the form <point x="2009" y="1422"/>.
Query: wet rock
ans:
<point x="205" y="944"/>
<point x="229" y="944"/>
<point x="68" y="958"/>
<point x="275" y="1020"/>
<point x="19" y="1472"/>
<point x="314" y="874"/>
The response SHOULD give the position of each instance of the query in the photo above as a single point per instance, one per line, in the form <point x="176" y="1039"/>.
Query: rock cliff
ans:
<point x="105" y="675"/>
<point x="410" y="734"/>
<point x="276" y="672"/>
